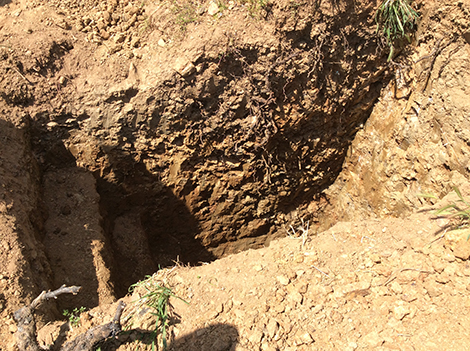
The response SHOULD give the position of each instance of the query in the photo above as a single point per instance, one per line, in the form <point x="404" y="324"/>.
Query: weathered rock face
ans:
<point x="417" y="137"/>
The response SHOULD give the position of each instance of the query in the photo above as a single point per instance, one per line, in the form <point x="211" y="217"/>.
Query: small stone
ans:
<point x="352" y="345"/>
<point x="272" y="327"/>
<point x="161" y="42"/>
<point x="188" y="70"/>
<point x="115" y="48"/>
<point x="132" y="20"/>
<point x="135" y="42"/>
<point x="296" y="297"/>
<point x="375" y="258"/>
<point x="52" y="124"/>
<point x="400" y="312"/>
<point x="284" y="280"/>
<point x="258" y="268"/>
<point x="457" y="241"/>
<point x="101" y="25"/>
<point x="119" y="38"/>
<point x="213" y="8"/>
<point x="373" y="339"/>
<point x="396" y="287"/>
<point x="256" y="336"/>
<point x="306" y="338"/>
<point x="184" y="67"/>
<point x="438" y="264"/>
<point x="106" y="17"/>
<point x="104" y="34"/>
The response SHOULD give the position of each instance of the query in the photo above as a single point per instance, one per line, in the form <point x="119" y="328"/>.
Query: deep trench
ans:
<point x="145" y="223"/>
<point x="145" y="226"/>
<point x="147" y="215"/>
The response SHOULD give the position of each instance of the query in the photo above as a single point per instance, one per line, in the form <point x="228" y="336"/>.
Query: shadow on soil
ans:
<point x="216" y="337"/>
<point x="146" y="227"/>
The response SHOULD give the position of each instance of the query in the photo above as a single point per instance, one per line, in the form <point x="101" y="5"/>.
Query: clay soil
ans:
<point x="260" y="158"/>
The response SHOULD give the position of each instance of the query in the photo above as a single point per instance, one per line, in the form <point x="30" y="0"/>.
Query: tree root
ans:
<point x="27" y="336"/>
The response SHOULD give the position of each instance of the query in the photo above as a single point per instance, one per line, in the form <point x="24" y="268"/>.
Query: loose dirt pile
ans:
<point x="385" y="285"/>
<point x="139" y="134"/>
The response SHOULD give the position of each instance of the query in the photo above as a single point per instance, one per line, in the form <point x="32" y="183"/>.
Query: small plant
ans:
<point x="157" y="299"/>
<point x="458" y="211"/>
<point x="185" y="13"/>
<point x="255" y="6"/>
<point x="395" y="20"/>
<point x="74" y="315"/>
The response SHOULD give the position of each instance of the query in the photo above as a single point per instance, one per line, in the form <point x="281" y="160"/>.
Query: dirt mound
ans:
<point x="137" y="135"/>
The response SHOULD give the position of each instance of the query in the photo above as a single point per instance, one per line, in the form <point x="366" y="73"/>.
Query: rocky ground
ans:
<point x="172" y="139"/>
<point x="393" y="284"/>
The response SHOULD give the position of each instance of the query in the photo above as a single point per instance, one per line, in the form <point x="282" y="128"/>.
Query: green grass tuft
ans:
<point x="395" y="19"/>
<point x="157" y="298"/>
<point x="458" y="212"/>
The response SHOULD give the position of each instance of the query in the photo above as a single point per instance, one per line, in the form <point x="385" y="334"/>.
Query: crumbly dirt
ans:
<point x="139" y="134"/>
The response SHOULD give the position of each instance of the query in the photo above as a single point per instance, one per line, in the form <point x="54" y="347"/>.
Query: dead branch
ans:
<point x="26" y="335"/>
<point x="85" y="341"/>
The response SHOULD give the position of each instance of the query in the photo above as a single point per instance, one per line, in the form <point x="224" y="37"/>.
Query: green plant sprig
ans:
<point x="74" y="315"/>
<point x="459" y="210"/>
<point x="157" y="299"/>
<point x="395" y="20"/>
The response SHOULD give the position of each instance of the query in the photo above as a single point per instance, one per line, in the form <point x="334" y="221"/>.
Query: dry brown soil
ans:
<point x="187" y="139"/>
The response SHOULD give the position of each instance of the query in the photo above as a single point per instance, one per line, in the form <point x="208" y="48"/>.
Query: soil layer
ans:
<point x="139" y="134"/>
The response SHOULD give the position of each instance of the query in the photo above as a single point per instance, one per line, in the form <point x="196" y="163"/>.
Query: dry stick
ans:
<point x="433" y="56"/>
<point x="86" y="341"/>
<point x="395" y="274"/>
<point x="22" y="76"/>
<point x="26" y="334"/>
<point x="321" y="271"/>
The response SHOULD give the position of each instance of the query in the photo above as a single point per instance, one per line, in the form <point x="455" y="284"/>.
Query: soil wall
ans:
<point x="417" y="138"/>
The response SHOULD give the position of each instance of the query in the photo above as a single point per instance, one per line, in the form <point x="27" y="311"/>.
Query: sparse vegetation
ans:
<point x="156" y="297"/>
<point x="255" y="6"/>
<point x="185" y="13"/>
<point x="458" y="211"/>
<point x="74" y="315"/>
<point x="396" y="19"/>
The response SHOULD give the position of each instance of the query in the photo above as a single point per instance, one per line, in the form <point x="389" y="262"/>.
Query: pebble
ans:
<point x="284" y="280"/>
<point x="212" y="9"/>
<point x="373" y="339"/>
<point x="396" y="287"/>
<point x="272" y="327"/>
<point x="400" y="312"/>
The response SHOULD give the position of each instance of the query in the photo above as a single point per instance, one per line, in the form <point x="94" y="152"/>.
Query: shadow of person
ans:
<point x="215" y="337"/>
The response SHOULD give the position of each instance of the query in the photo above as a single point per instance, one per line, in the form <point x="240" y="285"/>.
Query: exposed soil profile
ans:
<point x="136" y="135"/>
